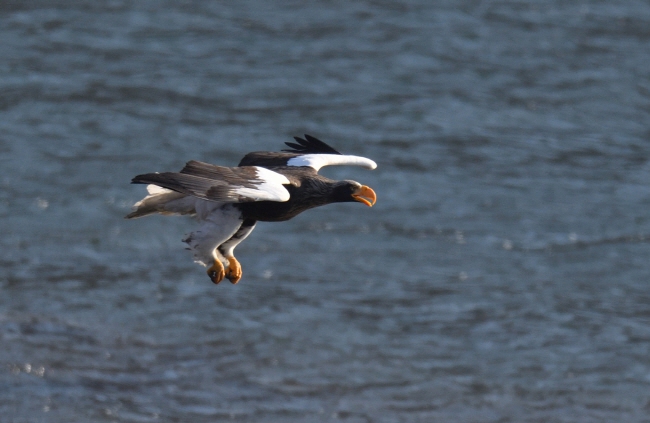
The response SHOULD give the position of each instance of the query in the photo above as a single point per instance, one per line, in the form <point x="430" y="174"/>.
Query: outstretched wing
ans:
<point x="310" y="152"/>
<point x="219" y="183"/>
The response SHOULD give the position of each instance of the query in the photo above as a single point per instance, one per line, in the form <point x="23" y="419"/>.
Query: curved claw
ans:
<point x="216" y="272"/>
<point x="234" y="270"/>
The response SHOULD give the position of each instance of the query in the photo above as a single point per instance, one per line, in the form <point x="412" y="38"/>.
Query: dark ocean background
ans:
<point x="503" y="275"/>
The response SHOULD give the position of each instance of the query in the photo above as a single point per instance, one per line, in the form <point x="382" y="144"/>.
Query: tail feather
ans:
<point x="164" y="201"/>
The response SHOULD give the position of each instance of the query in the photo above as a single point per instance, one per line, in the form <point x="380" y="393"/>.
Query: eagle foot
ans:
<point x="233" y="273"/>
<point x="216" y="272"/>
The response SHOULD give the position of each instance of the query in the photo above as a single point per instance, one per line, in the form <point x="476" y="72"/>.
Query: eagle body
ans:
<point x="307" y="190"/>
<point x="229" y="201"/>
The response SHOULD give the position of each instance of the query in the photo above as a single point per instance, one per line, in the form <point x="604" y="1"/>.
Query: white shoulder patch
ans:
<point x="316" y="161"/>
<point x="270" y="189"/>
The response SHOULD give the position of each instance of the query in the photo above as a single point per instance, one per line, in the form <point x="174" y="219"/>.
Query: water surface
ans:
<point x="501" y="277"/>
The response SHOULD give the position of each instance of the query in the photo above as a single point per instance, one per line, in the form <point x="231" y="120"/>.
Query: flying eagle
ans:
<point x="229" y="201"/>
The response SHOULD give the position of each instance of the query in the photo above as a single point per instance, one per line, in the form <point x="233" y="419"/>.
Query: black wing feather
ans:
<point x="242" y="176"/>
<point x="186" y="184"/>
<point x="295" y="146"/>
<point x="267" y="159"/>
<point x="310" y="145"/>
<point x="206" y="181"/>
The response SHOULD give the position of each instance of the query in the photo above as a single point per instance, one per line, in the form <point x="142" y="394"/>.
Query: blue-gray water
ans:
<point x="503" y="275"/>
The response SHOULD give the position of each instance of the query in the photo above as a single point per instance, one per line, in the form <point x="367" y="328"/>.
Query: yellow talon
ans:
<point x="216" y="272"/>
<point x="234" y="270"/>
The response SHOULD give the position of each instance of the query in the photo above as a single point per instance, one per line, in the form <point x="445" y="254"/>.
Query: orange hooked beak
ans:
<point x="365" y="195"/>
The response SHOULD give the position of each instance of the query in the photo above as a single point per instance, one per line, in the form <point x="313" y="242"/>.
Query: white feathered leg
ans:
<point x="233" y="271"/>
<point x="217" y="226"/>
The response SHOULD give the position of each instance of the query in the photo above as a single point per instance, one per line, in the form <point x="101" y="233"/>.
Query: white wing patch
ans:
<point x="270" y="189"/>
<point x="316" y="161"/>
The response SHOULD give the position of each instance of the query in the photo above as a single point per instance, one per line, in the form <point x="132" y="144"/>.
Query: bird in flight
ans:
<point x="229" y="201"/>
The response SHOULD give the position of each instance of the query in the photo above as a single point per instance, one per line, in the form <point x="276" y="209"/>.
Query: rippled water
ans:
<point x="501" y="277"/>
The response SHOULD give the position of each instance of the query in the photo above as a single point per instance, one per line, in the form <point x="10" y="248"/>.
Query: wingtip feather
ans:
<point x="310" y="145"/>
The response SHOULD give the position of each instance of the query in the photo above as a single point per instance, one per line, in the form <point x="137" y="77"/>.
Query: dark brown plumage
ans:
<point x="266" y="186"/>
<point x="307" y="190"/>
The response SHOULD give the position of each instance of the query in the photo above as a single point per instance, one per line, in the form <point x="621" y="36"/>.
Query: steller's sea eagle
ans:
<point x="229" y="201"/>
